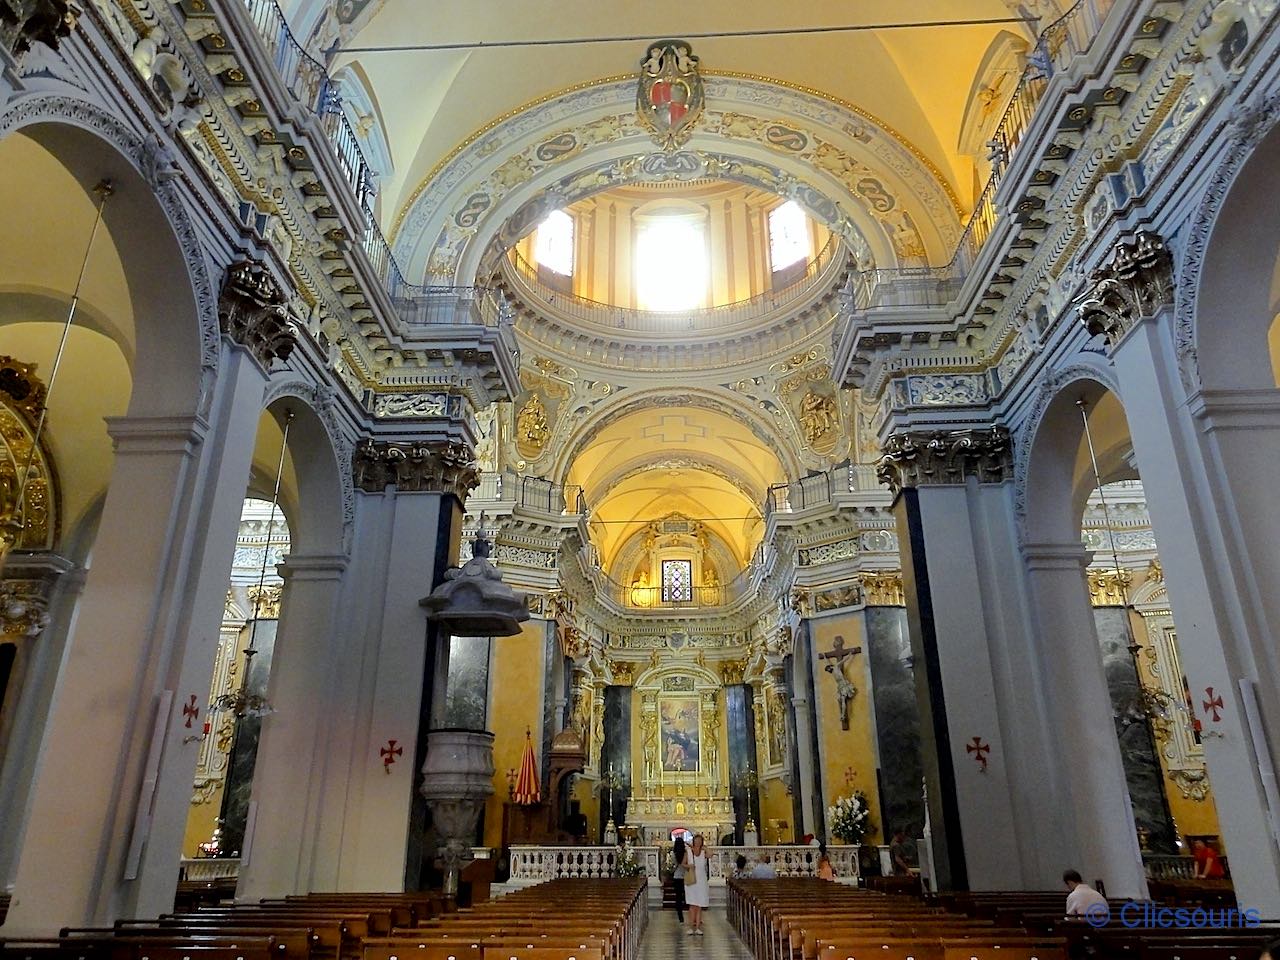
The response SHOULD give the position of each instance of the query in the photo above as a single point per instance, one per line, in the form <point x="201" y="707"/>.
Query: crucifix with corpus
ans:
<point x="845" y="690"/>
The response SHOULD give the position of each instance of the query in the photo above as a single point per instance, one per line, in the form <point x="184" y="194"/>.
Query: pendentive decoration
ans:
<point x="435" y="466"/>
<point x="935" y="457"/>
<point x="1136" y="283"/>
<point x="251" y="312"/>
<point x="669" y="97"/>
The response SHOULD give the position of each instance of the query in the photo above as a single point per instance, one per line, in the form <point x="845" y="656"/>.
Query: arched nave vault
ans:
<point x="851" y="173"/>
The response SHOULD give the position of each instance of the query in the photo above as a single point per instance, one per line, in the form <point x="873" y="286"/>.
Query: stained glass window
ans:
<point x="677" y="581"/>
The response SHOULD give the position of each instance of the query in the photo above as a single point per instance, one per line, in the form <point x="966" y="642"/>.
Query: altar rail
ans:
<point x="534" y="864"/>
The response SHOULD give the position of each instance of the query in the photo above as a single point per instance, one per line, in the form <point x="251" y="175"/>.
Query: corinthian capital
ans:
<point x="430" y="466"/>
<point x="24" y="22"/>
<point x="932" y="457"/>
<point x="251" y="312"/>
<point x="1134" y="284"/>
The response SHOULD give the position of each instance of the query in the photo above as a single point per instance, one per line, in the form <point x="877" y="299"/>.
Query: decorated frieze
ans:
<point x="407" y="406"/>
<point x="925" y="458"/>
<point x="845" y="549"/>
<point x="421" y="466"/>
<point x="252" y="313"/>
<point x="1135" y="283"/>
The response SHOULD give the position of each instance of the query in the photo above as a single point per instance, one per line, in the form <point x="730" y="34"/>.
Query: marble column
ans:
<point x="994" y="785"/>
<point x="293" y="755"/>
<point x="48" y="586"/>
<point x="370" y="820"/>
<point x="1200" y="458"/>
<point x="1095" y="790"/>
<point x="807" y="772"/>
<point x="106" y="825"/>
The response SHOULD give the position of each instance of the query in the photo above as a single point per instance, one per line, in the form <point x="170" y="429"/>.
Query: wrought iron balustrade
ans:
<point x="310" y="84"/>
<point x="1067" y="37"/>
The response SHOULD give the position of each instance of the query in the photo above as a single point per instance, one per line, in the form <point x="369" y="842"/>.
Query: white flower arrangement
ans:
<point x="628" y="864"/>
<point x="850" y="818"/>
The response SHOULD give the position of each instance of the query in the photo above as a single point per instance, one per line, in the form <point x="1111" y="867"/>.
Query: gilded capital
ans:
<point x="24" y="22"/>
<point x="1134" y="284"/>
<point x="251" y="312"/>
<point x="934" y="457"/>
<point x="436" y="466"/>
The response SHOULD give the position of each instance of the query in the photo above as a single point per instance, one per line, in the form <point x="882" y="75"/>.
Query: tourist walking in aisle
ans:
<point x="680" y="857"/>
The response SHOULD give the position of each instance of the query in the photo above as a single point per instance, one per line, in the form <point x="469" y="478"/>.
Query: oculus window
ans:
<point x="553" y="244"/>
<point x="677" y="581"/>
<point x="671" y="263"/>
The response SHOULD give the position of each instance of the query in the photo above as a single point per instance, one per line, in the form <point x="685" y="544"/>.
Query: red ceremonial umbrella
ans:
<point x="527" y="789"/>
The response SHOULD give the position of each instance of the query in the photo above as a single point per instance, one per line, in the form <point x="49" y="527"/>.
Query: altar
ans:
<point x="655" y="817"/>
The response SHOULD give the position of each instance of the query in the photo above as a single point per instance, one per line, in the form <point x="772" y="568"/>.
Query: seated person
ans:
<point x="1081" y="896"/>
<point x="764" y="869"/>
<point x="740" y="871"/>
<point x="902" y="852"/>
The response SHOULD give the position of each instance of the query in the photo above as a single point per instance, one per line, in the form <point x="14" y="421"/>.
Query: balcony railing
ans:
<point x="534" y="493"/>
<point x="311" y="85"/>
<point x="820" y="489"/>
<point x="1066" y="38"/>
<point x="640" y="597"/>
<point x="530" y="281"/>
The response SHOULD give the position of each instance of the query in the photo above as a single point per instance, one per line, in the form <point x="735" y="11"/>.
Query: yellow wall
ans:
<point x="516" y="687"/>
<point x="847" y="758"/>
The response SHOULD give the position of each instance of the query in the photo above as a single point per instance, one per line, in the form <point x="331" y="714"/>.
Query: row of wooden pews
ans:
<point x="559" y="920"/>
<point x="804" y="919"/>
<point x="1116" y="940"/>
<point x="562" y="920"/>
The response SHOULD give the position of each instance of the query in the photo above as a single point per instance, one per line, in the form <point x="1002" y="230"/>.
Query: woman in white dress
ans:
<point x="697" y="884"/>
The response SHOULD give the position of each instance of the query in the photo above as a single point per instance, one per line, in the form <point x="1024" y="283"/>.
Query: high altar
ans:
<point x="681" y="775"/>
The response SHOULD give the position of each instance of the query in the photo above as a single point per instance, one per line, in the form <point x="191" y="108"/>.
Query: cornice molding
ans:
<point x="938" y="457"/>
<point x="442" y="466"/>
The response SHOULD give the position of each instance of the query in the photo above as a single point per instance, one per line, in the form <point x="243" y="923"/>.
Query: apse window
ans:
<point x="553" y="244"/>
<point x="671" y="263"/>
<point x="788" y="241"/>
<point x="677" y="581"/>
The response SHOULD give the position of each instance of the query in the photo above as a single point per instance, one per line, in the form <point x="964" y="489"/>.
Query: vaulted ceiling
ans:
<point x="919" y="81"/>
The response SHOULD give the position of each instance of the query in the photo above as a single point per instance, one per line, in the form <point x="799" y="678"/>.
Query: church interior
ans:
<point x="509" y="438"/>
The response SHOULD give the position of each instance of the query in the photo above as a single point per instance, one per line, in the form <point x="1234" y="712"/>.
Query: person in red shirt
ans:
<point x="1208" y="863"/>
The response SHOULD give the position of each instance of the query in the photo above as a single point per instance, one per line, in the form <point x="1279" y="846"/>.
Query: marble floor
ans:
<point x="665" y="939"/>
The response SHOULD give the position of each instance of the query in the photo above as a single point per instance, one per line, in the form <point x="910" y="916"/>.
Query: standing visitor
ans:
<point x="697" y="888"/>
<point x="1208" y="863"/>
<point x="680" y="855"/>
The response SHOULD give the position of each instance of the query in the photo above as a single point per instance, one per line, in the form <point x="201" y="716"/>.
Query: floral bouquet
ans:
<point x="850" y="818"/>
<point x="628" y="864"/>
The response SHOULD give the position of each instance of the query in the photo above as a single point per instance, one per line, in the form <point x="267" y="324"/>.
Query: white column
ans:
<point x="804" y="750"/>
<point x="1085" y="745"/>
<point x="113" y="785"/>
<point x="293" y="748"/>
<point x="363" y="827"/>
<point x="1205" y="476"/>
<point x="955" y="597"/>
